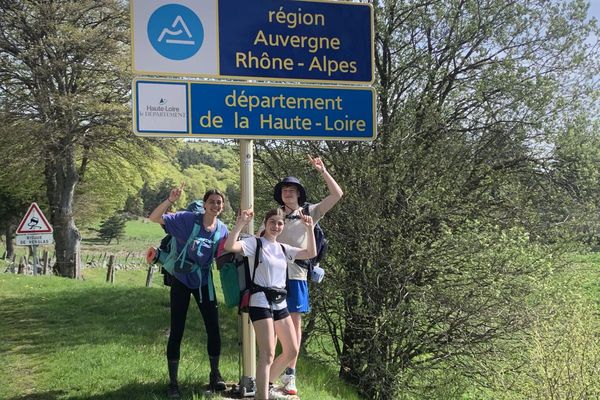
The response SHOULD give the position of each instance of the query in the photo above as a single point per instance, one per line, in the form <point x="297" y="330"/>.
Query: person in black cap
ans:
<point x="291" y="196"/>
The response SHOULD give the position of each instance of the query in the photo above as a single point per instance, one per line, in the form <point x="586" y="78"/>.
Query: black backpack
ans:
<point x="321" y="242"/>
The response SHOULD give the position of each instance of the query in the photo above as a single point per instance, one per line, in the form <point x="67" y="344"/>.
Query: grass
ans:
<point x="67" y="339"/>
<point x="87" y="339"/>
<point x="139" y="235"/>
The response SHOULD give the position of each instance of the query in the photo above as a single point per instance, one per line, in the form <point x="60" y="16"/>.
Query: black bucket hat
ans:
<point x="288" y="181"/>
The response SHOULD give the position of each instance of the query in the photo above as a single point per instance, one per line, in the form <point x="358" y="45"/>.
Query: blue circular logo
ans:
<point x="175" y="32"/>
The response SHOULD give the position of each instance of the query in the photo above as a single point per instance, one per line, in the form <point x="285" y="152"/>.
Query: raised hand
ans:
<point x="245" y="216"/>
<point x="175" y="193"/>
<point x="307" y="220"/>
<point x="317" y="163"/>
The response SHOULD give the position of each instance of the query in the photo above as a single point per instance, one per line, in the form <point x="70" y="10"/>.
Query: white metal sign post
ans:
<point x="247" y="380"/>
<point x="34" y="230"/>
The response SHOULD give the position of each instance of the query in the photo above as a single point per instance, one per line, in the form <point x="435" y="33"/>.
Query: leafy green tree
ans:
<point x="134" y="205"/>
<point x="112" y="228"/>
<point x="575" y="172"/>
<point x="217" y="155"/>
<point x="446" y="207"/>
<point x="152" y="197"/>
<point x="20" y="182"/>
<point x="108" y="183"/>
<point x="62" y="67"/>
<point x="10" y="208"/>
<point x="189" y="155"/>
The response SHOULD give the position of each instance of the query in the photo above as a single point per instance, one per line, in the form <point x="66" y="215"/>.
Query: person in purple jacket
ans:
<point x="196" y="282"/>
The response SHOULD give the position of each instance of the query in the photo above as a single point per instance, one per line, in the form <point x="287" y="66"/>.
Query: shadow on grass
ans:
<point x="52" y="395"/>
<point x="134" y="391"/>
<point x="42" y="323"/>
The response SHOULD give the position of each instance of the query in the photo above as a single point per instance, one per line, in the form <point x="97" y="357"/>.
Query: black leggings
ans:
<point x="180" y="301"/>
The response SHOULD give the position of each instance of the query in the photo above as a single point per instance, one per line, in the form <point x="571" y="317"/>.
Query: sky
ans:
<point x="595" y="9"/>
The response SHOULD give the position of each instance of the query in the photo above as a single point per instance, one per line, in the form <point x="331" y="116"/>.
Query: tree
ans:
<point x="446" y="206"/>
<point x="62" y="67"/>
<point x="153" y="196"/>
<point x="112" y="228"/>
<point x="20" y="182"/>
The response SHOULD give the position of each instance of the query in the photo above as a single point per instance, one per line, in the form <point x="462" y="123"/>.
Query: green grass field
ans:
<point x="88" y="339"/>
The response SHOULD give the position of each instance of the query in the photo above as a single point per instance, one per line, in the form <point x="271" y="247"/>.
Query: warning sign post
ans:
<point x="34" y="240"/>
<point x="34" y="230"/>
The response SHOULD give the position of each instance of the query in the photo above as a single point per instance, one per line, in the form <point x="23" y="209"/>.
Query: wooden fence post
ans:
<point x="46" y="261"/>
<point x="110" y="270"/>
<point x="22" y="264"/>
<point x="150" y="275"/>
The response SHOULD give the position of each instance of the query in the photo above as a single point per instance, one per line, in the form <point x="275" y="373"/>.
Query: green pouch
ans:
<point x="230" y="284"/>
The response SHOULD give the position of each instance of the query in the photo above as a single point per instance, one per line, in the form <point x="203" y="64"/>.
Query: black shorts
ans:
<point x="258" y="313"/>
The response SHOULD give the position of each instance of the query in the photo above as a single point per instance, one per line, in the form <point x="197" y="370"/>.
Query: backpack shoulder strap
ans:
<point x="287" y="270"/>
<point x="305" y="209"/>
<point x="256" y="255"/>
<point x="216" y="237"/>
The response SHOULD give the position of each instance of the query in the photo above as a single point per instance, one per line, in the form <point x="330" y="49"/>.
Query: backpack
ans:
<point x="322" y="243"/>
<point x="173" y="261"/>
<point x="237" y="282"/>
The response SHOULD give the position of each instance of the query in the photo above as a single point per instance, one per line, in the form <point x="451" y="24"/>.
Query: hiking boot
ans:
<point x="289" y="384"/>
<point x="275" y="395"/>
<point x="173" y="391"/>
<point x="216" y="382"/>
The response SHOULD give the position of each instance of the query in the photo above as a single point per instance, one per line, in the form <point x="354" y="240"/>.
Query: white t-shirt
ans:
<point x="271" y="270"/>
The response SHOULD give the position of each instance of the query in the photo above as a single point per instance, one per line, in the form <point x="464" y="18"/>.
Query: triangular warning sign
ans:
<point x="34" y="221"/>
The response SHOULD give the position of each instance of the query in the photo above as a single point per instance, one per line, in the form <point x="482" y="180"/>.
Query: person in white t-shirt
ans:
<point x="271" y="318"/>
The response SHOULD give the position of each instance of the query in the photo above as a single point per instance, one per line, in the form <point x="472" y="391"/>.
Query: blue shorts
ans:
<point x="297" y="296"/>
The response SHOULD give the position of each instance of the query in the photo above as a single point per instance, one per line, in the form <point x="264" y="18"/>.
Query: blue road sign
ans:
<point x="295" y="40"/>
<point x="275" y="40"/>
<point x="252" y="111"/>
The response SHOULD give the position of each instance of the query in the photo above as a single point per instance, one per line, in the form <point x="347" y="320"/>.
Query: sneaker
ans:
<point x="216" y="382"/>
<point x="289" y="384"/>
<point x="173" y="391"/>
<point x="275" y="395"/>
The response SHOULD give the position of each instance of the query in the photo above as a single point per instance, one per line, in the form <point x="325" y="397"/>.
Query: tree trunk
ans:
<point x="10" y="247"/>
<point x="348" y="361"/>
<point x="61" y="179"/>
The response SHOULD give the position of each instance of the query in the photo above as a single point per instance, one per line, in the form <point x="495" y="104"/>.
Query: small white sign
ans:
<point x="34" y="240"/>
<point x="161" y="107"/>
